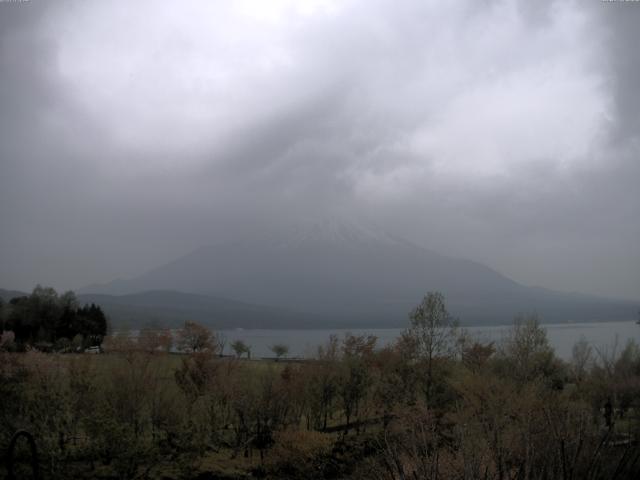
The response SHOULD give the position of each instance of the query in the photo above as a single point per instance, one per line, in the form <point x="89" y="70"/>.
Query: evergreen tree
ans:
<point x="45" y="317"/>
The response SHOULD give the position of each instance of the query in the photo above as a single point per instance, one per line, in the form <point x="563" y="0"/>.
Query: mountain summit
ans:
<point x="359" y="275"/>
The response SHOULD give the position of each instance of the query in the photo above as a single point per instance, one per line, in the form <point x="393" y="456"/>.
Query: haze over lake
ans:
<point x="603" y="336"/>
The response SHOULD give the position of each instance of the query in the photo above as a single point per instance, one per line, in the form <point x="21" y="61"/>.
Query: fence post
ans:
<point x="32" y="448"/>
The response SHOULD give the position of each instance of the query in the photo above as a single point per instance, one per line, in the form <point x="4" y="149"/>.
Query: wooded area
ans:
<point x="436" y="404"/>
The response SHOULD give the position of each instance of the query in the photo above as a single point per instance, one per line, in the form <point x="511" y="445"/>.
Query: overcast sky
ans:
<point x="507" y="132"/>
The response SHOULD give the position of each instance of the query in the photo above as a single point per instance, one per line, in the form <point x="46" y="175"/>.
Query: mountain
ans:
<point x="358" y="275"/>
<point x="171" y="309"/>
<point x="7" y="295"/>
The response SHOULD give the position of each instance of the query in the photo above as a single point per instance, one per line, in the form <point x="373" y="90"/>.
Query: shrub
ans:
<point x="299" y="453"/>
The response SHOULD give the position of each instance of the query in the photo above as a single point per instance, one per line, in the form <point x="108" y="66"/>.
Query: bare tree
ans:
<point x="221" y="342"/>
<point x="355" y="376"/>
<point x="152" y="340"/>
<point x="581" y="358"/>
<point x="279" y="350"/>
<point x="527" y="348"/>
<point x="240" y="348"/>
<point x="432" y="332"/>
<point x="196" y="338"/>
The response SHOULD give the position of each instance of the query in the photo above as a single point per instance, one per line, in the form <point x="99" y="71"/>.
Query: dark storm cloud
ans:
<point x="503" y="131"/>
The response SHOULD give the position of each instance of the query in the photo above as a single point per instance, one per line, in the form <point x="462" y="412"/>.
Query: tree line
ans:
<point x="51" y="322"/>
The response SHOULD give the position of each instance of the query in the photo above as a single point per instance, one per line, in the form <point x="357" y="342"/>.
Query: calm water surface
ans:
<point x="304" y="343"/>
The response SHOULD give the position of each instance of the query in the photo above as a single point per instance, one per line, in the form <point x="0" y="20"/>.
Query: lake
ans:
<point x="562" y="337"/>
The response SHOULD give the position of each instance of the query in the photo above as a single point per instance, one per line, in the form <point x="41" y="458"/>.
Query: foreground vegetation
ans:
<point x="436" y="404"/>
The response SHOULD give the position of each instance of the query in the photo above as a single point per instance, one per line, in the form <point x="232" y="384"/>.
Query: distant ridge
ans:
<point x="7" y="295"/>
<point x="171" y="308"/>
<point x="356" y="275"/>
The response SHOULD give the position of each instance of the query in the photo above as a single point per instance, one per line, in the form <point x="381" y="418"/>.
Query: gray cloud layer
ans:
<point x="503" y="131"/>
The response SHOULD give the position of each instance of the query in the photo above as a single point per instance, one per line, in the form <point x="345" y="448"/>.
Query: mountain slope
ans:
<point x="358" y="275"/>
<point x="171" y="309"/>
<point x="7" y="295"/>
